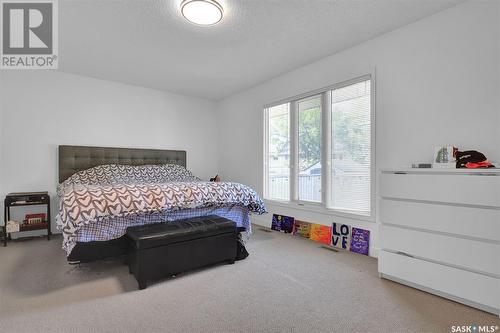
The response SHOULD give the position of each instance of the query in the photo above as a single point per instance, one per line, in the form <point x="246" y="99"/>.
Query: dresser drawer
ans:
<point x="459" y="220"/>
<point x="473" y="287"/>
<point x="470" y="254"/>
<point x="466" y="189"/>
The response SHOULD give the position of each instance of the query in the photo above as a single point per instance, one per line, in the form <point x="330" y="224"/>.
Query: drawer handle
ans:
<point x="404" y="254"/>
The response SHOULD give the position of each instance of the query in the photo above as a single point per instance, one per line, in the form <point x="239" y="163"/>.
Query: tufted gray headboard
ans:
<point x="76" y="158"/>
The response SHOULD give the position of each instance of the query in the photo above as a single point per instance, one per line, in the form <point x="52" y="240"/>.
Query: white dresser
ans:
<point x="440" y="232"/>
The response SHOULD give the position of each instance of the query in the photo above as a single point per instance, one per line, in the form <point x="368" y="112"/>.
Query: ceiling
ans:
<point x="148" y="43"/>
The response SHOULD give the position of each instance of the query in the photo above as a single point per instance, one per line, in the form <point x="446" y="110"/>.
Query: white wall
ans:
<point x="1" y="143"/>
<point x="437" y="83"/>
<point x="44" y="109"/>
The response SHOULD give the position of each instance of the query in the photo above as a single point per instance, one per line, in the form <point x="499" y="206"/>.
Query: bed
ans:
<point x="102" y="191"/>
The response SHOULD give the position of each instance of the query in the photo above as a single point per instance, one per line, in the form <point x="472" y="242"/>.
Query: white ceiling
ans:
<point x="148" y="43"/>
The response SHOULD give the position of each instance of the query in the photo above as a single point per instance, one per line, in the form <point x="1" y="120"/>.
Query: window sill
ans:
<point x="319" y="209"/>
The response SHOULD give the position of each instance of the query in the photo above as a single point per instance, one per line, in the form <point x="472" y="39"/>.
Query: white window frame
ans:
<point x="321" y="207"/>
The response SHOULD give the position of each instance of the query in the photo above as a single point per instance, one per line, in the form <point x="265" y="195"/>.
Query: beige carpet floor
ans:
<point x="286" y="285"/>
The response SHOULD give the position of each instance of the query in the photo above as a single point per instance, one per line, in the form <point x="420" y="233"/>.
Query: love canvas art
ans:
<point x="341" y="236"/>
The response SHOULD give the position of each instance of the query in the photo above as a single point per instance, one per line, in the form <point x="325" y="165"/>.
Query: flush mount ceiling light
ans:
<point x="202" y="12"/>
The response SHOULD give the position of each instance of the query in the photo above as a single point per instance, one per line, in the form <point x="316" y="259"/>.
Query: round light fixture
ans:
<point x="202" y="12"/>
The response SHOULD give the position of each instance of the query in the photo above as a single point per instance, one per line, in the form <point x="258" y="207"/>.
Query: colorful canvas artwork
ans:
<point x="282" y="223"/>
<point x="341" y="236"/>
<point x="360" y="241"/>
<point x="320" y="233"/>
<point x="302" y="229"/>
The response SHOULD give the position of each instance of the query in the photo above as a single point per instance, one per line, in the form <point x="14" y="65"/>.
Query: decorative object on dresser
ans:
<point x="440" y="232"/>
<point x="472" y="159"/>
<point x="32" y="221"/>
<point x="445" y="157"/>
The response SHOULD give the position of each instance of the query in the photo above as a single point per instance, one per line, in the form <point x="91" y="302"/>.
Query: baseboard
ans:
<point x="374" y="252"/>
<point x="260" y="221"/>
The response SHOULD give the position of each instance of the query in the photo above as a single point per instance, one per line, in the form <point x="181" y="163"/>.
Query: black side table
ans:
<point x="27" y="199"/>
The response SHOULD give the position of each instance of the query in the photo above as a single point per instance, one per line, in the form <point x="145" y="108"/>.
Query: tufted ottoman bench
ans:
<point x="165" y="249"/>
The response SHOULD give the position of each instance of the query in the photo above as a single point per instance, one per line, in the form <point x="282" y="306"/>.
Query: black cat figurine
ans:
<point x="215" y="179"/>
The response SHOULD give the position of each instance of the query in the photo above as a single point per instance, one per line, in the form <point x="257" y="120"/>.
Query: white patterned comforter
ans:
<point x="94" y="196"/>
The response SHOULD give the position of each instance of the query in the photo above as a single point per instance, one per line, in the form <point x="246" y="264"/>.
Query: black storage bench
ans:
<point x="165" y="249"/>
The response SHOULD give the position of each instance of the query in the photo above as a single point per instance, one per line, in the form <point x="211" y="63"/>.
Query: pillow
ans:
<point x="130" y="174"/>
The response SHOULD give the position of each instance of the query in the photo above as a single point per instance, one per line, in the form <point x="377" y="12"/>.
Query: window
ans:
<point x="309" y="145"/>
<point x="278" y="152"/>
<point x="319" y="149"/>
<point x="351" y="148"/>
